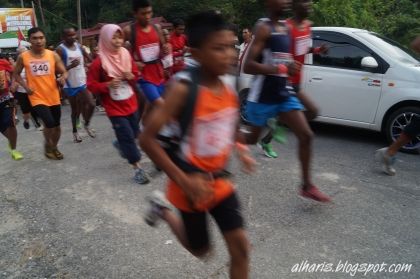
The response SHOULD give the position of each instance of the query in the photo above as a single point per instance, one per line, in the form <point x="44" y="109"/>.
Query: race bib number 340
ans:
<point x="40" y="68"/>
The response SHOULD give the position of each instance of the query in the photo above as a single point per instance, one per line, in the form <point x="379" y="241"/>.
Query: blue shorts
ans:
<point x="151" y="91"/>
<point x="257" y="113"/>
<point x="71" y="92"/>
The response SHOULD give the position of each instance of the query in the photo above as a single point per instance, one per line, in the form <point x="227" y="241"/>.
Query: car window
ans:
<point x="342" y="53"/>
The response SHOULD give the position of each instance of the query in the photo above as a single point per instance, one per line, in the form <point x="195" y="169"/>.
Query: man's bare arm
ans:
<point x="60" y="69"/>
<point x="16" y="75"/>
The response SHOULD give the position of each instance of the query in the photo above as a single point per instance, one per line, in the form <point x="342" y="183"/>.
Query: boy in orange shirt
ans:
<point x="202" y="188"/>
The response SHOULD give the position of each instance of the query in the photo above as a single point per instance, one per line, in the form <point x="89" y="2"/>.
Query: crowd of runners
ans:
<point x="183" y="112"/>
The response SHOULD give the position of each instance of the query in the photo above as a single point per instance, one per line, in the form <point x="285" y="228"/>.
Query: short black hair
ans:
<point x="140" y="4"/>
<point x="68" y="28"/>
<point x="178" y="22"/>
<point x="34" y="30"/>
<point x="201" y="25"/>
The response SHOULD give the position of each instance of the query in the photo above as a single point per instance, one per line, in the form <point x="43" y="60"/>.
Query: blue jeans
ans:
<point x="127" y="130"/>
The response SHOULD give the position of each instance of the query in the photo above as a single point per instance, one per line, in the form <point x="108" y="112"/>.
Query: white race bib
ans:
<point x="150" y="52"/>
<point x="214" y="133"/>
<point x="168" y="61"/>
<point x="40" y="68"/>
<point x="302" y="45"/>
<point x="123" y="92"/>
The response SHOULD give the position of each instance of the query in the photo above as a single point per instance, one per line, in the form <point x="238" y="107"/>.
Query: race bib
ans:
<point x="168" y="61"/>
<point x="282" y="58"/>
<point x="123" y="92"/>
<point x="40" y="68"/>
<point x="213" y="134"/>
<point x="302" y="45"/>
<point x="150" y="52"/>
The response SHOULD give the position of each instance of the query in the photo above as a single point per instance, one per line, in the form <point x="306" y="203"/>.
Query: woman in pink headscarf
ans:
<point x="113" y="75"/>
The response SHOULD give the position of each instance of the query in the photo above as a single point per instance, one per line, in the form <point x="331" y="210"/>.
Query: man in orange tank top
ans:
<point x="202" y="192"/>
<point x="41" y="66"/>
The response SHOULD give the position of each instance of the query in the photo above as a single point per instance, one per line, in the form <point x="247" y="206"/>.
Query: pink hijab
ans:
<point x="114" y="61"/>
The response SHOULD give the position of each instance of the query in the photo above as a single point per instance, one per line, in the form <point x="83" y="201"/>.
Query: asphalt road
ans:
<point x="82" y="217"/>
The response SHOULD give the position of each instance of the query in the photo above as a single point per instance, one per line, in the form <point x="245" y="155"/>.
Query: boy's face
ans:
<point x="217" y="53"/>
<point x="38" y="41"/>
<point x="246" y="35"/>
<point x="302" y="8"/>
<point x="144" y="15"/>
<point x="179" y="30"/>
<point x="279" y="7"/>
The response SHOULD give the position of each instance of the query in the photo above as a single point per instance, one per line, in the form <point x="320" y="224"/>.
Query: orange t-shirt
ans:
<point x="209" y="144"/>
<point x="40" y="75"/>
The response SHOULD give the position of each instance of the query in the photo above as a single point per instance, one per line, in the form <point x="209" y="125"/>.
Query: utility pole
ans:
<point x="21" y="3"/>
<point x="79" y="21"/>
<point x="42" y="12"/>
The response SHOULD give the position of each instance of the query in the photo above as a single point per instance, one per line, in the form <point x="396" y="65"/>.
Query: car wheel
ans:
<point x="243" y="96"/>
<point x="396" y="123"/>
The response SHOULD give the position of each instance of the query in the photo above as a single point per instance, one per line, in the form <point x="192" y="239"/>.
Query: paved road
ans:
<point x="81" y="217"/>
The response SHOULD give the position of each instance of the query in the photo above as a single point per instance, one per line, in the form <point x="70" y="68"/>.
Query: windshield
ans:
<point x="392" y="48"/>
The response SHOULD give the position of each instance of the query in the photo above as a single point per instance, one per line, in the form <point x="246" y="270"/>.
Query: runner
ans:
<point x="271" y="96"/>
<point x="7" y="110"/>
<point x="41" y="66"/>
<point x="178" y="41"/>
<point x="168" y="60"/>
<point x="147" y="47"/>
<point x="386" y="155"/>
<point x="81" y="101"/>
<point x="198" y="185"/>
<point x="23" y="99"/>
<point x="113" y="75"/>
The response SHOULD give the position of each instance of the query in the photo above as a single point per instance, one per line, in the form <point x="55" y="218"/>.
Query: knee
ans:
<point x="306" y="137"/>
<point x="241" y="253"/>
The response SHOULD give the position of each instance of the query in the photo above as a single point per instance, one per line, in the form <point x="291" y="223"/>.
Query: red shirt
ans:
<point x="148" y="49"/>
<point x="300" y="44"/>
<point x="97" y="82"/>
<point x="5" y="70"/>
<point x="178" y="43"/>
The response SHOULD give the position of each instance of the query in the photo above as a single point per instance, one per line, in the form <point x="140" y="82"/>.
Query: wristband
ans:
<point x="282" y="69"/>
<point x="316" y="50"/>
<point x="242" y="147"/>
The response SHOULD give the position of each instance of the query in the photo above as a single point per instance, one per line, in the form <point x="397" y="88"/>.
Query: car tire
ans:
<point x="395" y="124"/>
<point x="243" y="96"/>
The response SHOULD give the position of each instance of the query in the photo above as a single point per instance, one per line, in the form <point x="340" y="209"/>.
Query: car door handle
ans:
<point x="317" y="78"/>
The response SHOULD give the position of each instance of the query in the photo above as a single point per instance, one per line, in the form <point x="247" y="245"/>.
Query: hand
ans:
<point x="324" y="48"/>
<point x="114" y="84"/>
<point x="74" y="63"/>
<point x="14" y="87"/>
<point x="140" y="65"/>
<point x="62" y="80"/>
<point x="29" y="91"/>
<point x="128" y="75"/>
<point x="197" y="188"/>
<point x="294" y="68"/>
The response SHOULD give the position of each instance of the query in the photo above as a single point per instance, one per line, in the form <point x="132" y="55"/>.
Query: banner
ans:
<point x="11" y="21"/>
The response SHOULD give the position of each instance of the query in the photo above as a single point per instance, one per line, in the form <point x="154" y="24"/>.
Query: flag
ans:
<point x="21" y="37"/>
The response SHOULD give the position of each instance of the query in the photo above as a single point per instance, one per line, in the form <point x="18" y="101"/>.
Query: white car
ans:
<point x="365" y="80"/>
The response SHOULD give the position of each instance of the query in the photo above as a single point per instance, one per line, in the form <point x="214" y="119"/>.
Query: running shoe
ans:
<point x="90" y="132"/>
<point x="77" y="138"/>
<point x="268" y="150"/>
<point x="279" y="132"/>
<point x="26" y="124"/>
<point x="100" y="109"/>
<point x="312" y="192"/>
<point x="386" y="161"/>
<point x="156" y="203"/>
<point x="58" y="154"/>
<point x="48" y="152"/>
<point x="141" y="177"/>
<point x="16" y="155"/>
<point x="116" y="145"/>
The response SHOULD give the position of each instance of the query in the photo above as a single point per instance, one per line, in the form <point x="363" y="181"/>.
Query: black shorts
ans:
<point x="50" y="116"/>
<point x="227" y="215"/>
<point x="413" y="129"/>
<point x="296" y="88"/>
<point x="7" y="115"/>
<point x="24" y="102"/>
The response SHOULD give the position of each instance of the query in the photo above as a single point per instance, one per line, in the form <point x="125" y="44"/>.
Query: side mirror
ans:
<point x="369" y="63"/>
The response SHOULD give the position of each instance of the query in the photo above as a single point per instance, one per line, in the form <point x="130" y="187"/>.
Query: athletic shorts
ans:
<point x="413" y="129"/>
<point x="25" y="104"/>
<point x="7" y="115"/>
<point x="50" y="116"/>
<point x="296" y="88"/>
<point x="71" y="92"/>
<point x="227" y="215"/>
<point x="257" y="113"/>
<point x="151" y="91"/>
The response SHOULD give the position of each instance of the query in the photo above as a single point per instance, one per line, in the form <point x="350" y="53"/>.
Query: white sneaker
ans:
<point x="157" y="203"/>
<point x="386" y="161"/>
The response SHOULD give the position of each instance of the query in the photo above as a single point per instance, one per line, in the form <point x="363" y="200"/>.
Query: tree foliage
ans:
<point x="397" y="19"/>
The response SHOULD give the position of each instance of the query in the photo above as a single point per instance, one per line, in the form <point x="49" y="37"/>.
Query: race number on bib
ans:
<point x="40" y="68"/>
<point x="302" y="45"/>
<point x="168" y="61"/>
<point x="123" y="92"/>
<point x="213" y="134"/>
<point x="150" y="52"/>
